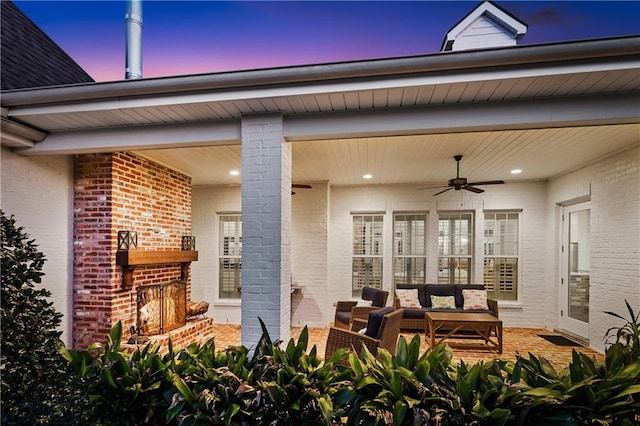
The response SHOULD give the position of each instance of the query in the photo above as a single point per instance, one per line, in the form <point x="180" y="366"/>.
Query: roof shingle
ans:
<point x="29" y="58"/>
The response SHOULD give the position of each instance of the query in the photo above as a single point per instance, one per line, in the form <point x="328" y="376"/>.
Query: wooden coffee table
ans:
<point x="441" y="326"/>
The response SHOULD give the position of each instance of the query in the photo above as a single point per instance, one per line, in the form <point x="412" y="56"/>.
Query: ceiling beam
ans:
<point x="534" y="114"/>
<point x="520" y="115"/>
<point x="182" y="135"/>
<point x="18" y="135"/>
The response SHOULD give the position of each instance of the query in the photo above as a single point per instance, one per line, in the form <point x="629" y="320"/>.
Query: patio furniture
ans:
<point x="441" y="326"/>
<point x="346" y="311"/>
<point x="382" y="329"/>
<point x="413" y="318"/>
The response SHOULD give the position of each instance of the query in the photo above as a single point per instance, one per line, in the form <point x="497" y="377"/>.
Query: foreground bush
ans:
<point x="289" y="385"/>
<point x="36" y="386"/>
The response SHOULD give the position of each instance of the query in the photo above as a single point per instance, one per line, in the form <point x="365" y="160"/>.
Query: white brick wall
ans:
<point x="38" y="191"/>
<point x="615" y="235"/>
<point x="309" y="255"/>
<point x="208" y="204"/>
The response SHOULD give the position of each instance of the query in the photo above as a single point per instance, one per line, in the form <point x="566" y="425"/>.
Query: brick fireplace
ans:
<point x="122" y="191"/>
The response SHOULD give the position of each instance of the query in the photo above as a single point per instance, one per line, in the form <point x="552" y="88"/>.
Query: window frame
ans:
<point x="451" y="217"/>
<point x="489" y="253"/>
<point x="411" y="255"/>
<point x="372" y="261"/>
<point x="229" y="296"/>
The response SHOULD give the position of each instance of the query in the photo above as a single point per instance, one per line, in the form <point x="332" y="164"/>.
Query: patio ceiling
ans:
<point x="545" y="109"/>
<point x="419" y="159"/>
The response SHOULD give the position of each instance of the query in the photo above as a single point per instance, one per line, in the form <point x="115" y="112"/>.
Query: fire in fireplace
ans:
<point x="161" y="307"/>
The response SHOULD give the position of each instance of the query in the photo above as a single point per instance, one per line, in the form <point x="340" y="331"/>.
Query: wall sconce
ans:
<point x="188" y="242"/>
<point x="127" y="240"/>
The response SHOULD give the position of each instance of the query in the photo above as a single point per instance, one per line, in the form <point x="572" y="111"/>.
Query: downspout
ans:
<point x="133" y="27"/>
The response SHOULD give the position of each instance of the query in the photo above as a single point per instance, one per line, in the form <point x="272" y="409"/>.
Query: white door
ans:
<point x="576" y="254"/>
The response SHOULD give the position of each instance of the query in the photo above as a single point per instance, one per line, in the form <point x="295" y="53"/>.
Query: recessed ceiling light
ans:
<point x="516" y="171"/>
<point x="234" y="173"/>
<point x="367" y="176"/>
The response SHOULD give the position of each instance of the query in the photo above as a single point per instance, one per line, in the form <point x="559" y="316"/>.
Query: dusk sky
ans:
<point x="192" y="37"/>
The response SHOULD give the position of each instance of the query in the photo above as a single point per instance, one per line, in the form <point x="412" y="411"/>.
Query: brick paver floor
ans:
<point x="515" y="341"/>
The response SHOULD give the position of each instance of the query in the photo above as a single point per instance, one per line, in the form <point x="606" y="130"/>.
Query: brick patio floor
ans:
<point x="515" y="341"/>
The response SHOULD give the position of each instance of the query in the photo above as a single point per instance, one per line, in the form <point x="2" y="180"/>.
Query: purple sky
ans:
<point x="191" y="37"/>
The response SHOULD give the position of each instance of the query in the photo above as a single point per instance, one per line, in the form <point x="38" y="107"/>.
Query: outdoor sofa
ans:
<point x="413" y="318"/>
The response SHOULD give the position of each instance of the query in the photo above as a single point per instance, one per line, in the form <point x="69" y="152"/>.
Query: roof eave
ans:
<point x="611" y="48"/>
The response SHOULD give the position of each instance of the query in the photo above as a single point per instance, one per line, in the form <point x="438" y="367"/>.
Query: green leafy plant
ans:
<point x="275" y="386"/>
<point x="36" y="387"/>
<point x="586" y="392"/>
<point x="130" y="387"/>
<point x="628" y="334"/>
<point x="416" y="389"/>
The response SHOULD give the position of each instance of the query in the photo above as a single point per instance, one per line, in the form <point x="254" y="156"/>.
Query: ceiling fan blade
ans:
<point x="432" y="187"/>
<point x="438" y="193"/>
<point x="473" y="189"/>
<point x="489" y="182"/>
<point x="301" y="185"/>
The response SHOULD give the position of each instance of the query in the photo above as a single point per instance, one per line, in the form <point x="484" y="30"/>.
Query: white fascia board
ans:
<point x="331" y="87"/>
<point x="582" y="111"/>
<point x="139" y="138"/>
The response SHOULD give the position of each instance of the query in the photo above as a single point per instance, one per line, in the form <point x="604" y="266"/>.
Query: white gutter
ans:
<point x="512" y="57"/>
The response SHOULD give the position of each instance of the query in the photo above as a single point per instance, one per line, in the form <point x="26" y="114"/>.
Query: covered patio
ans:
<point x="517" y="341"/>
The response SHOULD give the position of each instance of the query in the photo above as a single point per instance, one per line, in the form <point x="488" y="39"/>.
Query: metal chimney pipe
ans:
<point x="133" y="26"/>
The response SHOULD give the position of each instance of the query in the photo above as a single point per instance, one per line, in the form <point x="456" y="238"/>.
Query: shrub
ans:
<point x="36" y="388"/>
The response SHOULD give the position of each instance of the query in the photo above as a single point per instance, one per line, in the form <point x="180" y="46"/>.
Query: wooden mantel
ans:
<point x="130" y="259"/>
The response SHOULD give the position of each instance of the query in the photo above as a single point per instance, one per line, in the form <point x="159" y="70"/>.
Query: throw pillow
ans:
<point x="408" y="298"/>
<point x="365" y="303"/>
<point x="475" y="299"/>
<point x="443" y="302"/>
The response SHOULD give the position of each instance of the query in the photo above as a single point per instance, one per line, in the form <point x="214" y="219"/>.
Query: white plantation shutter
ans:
<point x="501" y="252"/>
<point x="367" y="253"/>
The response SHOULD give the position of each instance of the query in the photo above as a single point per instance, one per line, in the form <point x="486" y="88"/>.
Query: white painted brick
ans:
<point x="38" y="191"/>
<point x="615" y="235"/>
<point x="266" y="214"/>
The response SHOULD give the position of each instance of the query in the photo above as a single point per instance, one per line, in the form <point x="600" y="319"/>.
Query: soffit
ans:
<point x="420" y="159"/>
<point x="330" y="98"/>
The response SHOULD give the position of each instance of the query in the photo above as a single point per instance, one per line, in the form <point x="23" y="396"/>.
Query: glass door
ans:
<point x="576" y="254"/>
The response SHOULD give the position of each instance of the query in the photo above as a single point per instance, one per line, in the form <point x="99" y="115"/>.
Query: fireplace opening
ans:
<point x="161" y="307"/>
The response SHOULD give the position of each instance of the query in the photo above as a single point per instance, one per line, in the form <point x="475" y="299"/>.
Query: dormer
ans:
<point x="486" y="26"/>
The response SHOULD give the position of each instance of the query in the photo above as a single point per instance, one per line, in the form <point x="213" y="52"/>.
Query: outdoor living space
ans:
<point x="302" y="185"/>
<point x="516" y="341"/>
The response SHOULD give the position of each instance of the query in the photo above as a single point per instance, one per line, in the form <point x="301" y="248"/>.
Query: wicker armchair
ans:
<point x="346" y="311"/>
<point x="386" y="335"/>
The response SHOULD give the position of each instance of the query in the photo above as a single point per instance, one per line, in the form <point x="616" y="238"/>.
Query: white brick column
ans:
<point x="266" y="225"/>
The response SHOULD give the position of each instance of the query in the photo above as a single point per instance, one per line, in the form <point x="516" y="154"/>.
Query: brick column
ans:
<point x="266" y="224"/>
